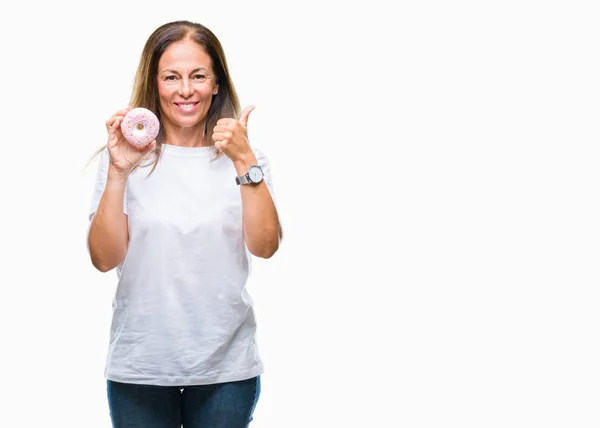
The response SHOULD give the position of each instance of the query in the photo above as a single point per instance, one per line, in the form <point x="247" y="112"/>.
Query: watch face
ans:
<point x="256" y="174"/>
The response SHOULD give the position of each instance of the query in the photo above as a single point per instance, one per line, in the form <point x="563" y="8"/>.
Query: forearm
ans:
<point x="108" y="234"/>
<point x="262" y="231"/>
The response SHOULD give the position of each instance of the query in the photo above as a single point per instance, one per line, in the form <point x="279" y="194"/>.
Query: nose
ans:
<point x="186" y="89"/>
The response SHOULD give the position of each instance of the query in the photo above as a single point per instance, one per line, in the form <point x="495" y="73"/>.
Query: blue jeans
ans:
<point x="220" y="405"/>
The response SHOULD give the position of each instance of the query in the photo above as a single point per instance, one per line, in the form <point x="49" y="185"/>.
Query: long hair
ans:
<point x="145" y="88"/>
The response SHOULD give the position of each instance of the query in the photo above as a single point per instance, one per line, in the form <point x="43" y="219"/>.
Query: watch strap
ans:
<point x="242" y="179"/>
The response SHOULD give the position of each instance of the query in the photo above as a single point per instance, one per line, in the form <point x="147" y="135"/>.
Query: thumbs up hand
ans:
<point x="231" y="136"/>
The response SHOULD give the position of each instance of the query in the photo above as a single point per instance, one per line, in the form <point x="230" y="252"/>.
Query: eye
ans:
<point x="170" y="78"/>
<point x="200" y="77"/>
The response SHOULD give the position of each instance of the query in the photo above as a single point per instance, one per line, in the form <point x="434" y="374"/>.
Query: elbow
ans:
<point x="105" y="262"/>
<point x="105" y="259"/>
<point x="267" y="246"/>
<point x="102" y="267"/>
<point x="266" y="251"/>
<point x="266" y="254"/>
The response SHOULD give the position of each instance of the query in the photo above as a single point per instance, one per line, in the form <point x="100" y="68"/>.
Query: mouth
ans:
<point x="187" y="106"/>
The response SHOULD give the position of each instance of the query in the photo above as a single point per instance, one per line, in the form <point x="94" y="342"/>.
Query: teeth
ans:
<point x="186" y="106"/>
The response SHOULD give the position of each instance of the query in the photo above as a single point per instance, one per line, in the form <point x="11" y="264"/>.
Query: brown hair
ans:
<point x="145" y="89"/>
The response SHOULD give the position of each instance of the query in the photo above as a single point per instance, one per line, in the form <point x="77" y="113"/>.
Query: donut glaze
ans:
<point x="140" y="126"/>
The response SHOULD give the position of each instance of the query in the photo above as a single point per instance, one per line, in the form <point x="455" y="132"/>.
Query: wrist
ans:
<point x="244" y="162"/>
<point x="116" y="175"/>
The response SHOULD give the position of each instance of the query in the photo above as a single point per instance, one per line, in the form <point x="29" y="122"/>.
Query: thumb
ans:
<point x="244" y="116"/>
<point x="149" y="147"/>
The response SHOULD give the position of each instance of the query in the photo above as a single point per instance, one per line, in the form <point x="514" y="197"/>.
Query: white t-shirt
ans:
<point x="181" y="312"/>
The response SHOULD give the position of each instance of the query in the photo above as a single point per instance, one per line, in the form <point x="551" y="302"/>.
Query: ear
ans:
<point x="216" y="90"/>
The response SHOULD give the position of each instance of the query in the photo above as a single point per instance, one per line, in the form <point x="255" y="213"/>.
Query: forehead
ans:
<point x="184" y="54"/>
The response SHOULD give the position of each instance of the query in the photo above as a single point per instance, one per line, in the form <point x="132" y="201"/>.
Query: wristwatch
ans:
<point x="253" y="176"/>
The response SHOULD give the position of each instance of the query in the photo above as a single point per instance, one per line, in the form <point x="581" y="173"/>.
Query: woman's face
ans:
<point x="186" y="84"/>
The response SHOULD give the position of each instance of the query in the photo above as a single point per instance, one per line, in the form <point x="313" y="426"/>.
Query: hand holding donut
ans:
<point x="124" y="155"/>
<point x="231" y="136"/>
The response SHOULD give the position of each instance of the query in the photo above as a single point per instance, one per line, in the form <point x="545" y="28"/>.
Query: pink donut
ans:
<point x="140" y="126"/>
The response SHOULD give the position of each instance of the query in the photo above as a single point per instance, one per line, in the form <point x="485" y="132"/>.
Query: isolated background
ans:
<point x="435" y="165"/>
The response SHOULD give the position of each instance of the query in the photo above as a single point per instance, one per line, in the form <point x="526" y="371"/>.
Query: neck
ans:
<point x="186" y="137"/>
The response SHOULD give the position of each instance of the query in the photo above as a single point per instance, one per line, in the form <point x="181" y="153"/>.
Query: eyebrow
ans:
<point x="176" y="72"/>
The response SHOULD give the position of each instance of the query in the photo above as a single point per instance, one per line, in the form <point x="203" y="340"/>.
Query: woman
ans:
<point x="178" y="219"/>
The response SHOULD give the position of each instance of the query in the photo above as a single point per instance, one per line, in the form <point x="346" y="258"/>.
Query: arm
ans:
<point x="108" y="235"/>
<point x="262" y="231"/>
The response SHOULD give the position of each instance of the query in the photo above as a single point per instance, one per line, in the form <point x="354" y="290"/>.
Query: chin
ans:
<point x="187" y="122"/>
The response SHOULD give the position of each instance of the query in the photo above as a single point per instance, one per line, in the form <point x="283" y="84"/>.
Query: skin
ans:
<point x="184" y="76"/>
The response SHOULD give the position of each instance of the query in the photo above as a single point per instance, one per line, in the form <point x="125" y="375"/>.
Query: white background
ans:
<point x="436" y="170"/>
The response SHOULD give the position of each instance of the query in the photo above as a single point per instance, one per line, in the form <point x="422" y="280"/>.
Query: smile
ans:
<point x="187" y="107"/>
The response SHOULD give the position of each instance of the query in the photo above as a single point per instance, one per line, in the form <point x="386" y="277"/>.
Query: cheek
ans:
<point x="205" y="98"/>
<point x="206" y="94"/>
<point x="164" y="94"/>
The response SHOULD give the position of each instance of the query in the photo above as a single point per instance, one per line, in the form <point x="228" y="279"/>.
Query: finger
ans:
<point x="220" y="128"/>
<point x="122" y="112"/>
<point x="110" y="121"/>
<point x="150" y="146"/>
<point x="245" y="114"/>
<point x="116" y="124"/>
<point x="217" y="136"/>
<point x="110" y="158"/>
<point x="226" y="121"/>
<point x="113" y="142"/>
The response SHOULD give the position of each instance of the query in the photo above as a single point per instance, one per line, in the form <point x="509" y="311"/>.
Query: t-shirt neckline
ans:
<point x="186" y="151"/>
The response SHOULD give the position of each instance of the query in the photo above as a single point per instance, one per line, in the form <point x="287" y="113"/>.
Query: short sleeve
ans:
<point x="100" y="185"/>
<point x="263" y="162"/>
